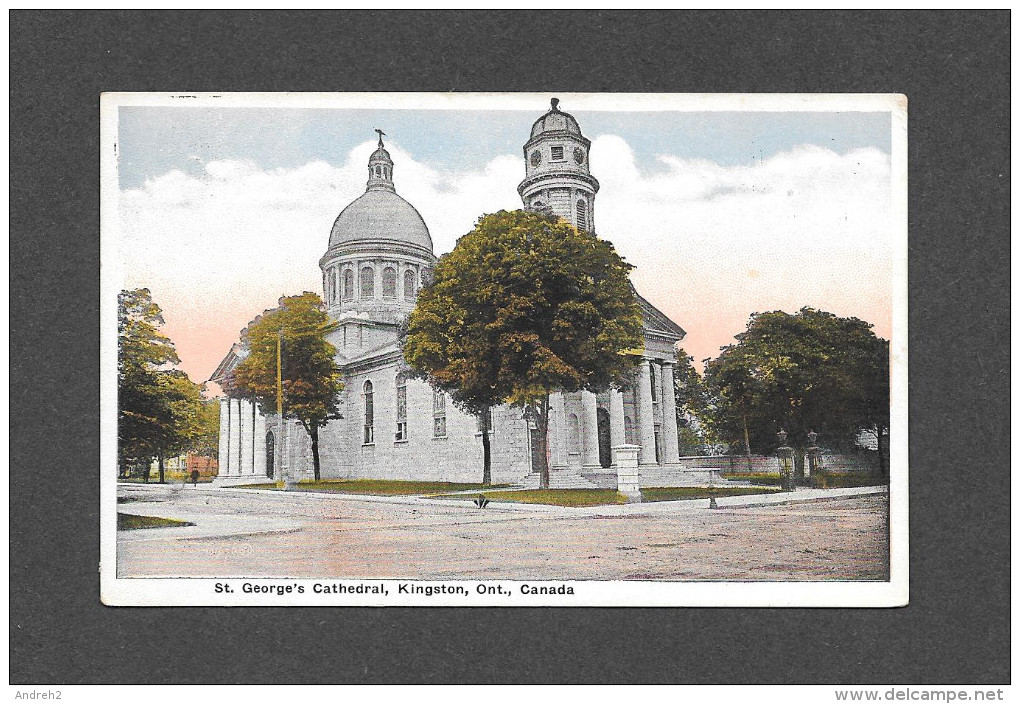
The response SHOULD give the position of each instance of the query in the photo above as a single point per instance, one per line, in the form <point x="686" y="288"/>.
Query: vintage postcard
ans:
<point x="504" y="349"/>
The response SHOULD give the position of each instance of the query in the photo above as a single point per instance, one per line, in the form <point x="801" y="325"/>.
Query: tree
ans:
<point x="525" y="304"/>
<point x="179" y="413"/>
<point x="310" y="380"/>
<point x="692" y="404"/>
<point x="802" y="372"/>
<point x="157" y="405"/>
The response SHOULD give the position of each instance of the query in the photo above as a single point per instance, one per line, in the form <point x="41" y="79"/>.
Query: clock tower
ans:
<point x="556" y="169"/>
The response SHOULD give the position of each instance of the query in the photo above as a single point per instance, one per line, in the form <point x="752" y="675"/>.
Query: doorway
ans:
<point x="605" y="438"/>
<point x="270" y="453"/>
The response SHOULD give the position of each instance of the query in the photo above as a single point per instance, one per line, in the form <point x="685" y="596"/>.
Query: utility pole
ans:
<point x="279" y="374"/>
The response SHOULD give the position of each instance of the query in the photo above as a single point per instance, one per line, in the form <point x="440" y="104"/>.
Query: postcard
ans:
<point x="522" y="349"/>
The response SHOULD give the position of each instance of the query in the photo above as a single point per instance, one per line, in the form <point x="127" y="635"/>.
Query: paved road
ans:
<point x="240" y="534"/>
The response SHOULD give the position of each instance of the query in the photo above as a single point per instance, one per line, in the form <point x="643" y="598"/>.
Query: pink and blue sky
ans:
<point x="224" y="209"/>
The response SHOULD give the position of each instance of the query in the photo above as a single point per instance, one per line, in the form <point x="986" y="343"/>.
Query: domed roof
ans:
<point x="380" y="215"/>
<point x="555" y="121"/>
<point x="380" y="154"/>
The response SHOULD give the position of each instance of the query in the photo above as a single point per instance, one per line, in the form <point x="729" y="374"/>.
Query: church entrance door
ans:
<point x="270" y="453"/>
<point x="605" y="439"/>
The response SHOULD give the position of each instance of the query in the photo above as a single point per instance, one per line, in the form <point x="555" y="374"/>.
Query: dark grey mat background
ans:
<point x="954" y="67"/>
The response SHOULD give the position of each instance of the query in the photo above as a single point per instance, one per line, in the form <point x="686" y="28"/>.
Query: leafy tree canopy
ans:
<point x="311" y="383"/>
<point x="523" y="305"/>
<point x="159" y="408"/>
<point x="808" y="371"/>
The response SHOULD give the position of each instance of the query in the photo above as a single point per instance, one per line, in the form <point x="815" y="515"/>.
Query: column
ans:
<point x="617" y="427"/>
<point x="557" y="428"/>
<point x="235" y="437"/>
<point x="590" y="428"/>
<point x="646" y="421"/>
<point x="286" y="461"/>
<point x="260" y="442"/>
<point x="247" y="437"/>
<point x="670" y="434"/>
<point x="224" y="457"/>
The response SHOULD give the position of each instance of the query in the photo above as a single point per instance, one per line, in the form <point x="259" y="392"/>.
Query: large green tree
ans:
<point x="310" y="380"/>
<point x="525" y="304"/>
<point x="693" y="415"/>
<point x="808" y="371"/>
<point x="158" y="407"/>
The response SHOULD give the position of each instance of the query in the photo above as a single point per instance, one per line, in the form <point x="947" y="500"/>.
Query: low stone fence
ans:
<point x="765" y="464"/>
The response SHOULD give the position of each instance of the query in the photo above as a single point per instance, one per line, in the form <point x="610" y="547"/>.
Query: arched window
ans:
<point x="410" y="284"/>
<point x="348" y="291"/>
<point x="401" y="408"/>
<point x="582" y="215"/>
<point x="335" y="278"/>
<point x="368" y="282"/>
<point x="389" y="282"/>
<point x="438" y="414"/>
<point x="369" y="414"/>
<point x="378" y="171"/>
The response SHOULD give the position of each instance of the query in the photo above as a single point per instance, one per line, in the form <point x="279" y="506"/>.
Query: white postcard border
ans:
<point x="202" y="592"/>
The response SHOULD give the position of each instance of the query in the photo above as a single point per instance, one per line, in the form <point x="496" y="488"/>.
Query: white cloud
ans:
<point x="712" y="243"/>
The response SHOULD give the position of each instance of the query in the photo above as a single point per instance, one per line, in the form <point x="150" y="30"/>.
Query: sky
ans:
<point x="723" y="213"/>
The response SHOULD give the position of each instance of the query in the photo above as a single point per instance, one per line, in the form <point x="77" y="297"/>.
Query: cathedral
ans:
<point x="392" y="427"/>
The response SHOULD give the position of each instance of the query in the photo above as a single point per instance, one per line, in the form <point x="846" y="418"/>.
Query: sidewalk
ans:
<point x="800" y="495"/>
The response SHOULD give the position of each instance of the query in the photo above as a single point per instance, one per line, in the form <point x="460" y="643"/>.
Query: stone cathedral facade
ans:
<point x="378" y="256"/>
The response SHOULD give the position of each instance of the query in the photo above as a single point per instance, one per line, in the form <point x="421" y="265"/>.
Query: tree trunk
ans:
<point x="486" y="450"/>
<point x="542" y="421"/>
<point x="146" y="469"/>
<point x="162" y="469"/>
<point x="747" y="446"/>
<point x="313" y="432"/>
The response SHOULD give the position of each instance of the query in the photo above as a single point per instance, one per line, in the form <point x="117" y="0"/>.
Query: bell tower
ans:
<point x="557" y="176"/>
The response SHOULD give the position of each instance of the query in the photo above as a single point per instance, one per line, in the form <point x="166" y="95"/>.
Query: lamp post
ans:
<point x="785" y="454"/>
<point x="813" y="457"/>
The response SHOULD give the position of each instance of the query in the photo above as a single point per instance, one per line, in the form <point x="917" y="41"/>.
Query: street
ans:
<point x="238" y="534"/>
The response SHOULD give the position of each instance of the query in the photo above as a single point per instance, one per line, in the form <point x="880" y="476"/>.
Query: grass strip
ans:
<point x="378" y="487"/>
<point x="129" y="521"/>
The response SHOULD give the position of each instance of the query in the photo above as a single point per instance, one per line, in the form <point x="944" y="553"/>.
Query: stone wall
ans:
<point x="422" y="456"/>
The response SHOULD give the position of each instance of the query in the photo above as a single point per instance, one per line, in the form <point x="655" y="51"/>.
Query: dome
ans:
<point x="380" y="215"/>
<point x="380" y="154"/>
<point x="555" y="121"/>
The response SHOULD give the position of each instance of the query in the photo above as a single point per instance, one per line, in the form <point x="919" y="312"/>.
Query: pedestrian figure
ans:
<point x="194" y="478"/>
